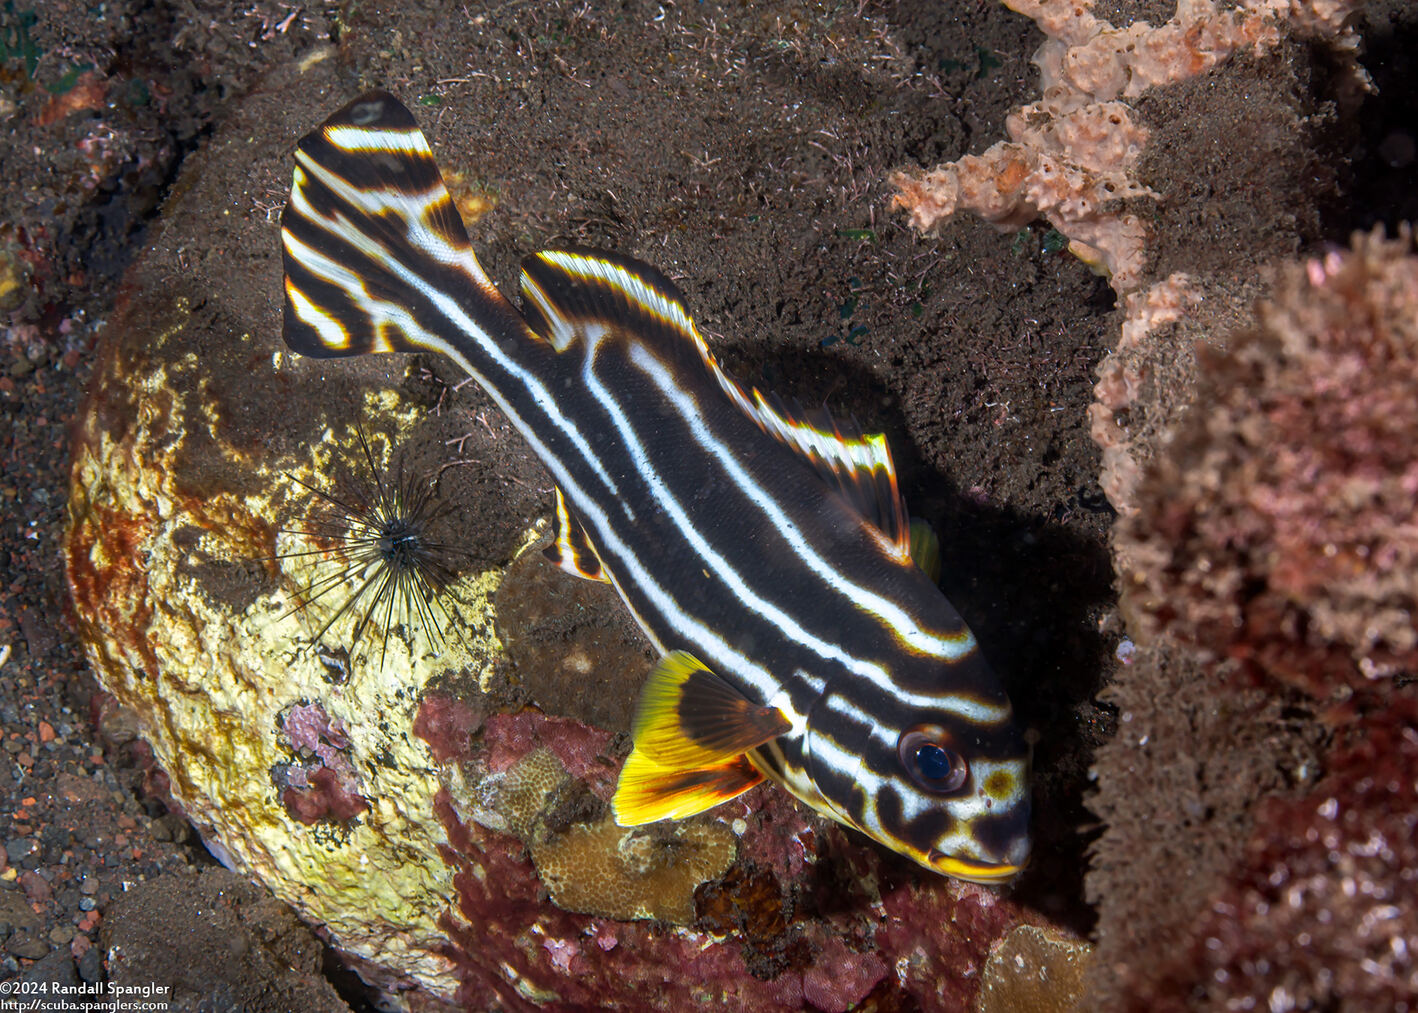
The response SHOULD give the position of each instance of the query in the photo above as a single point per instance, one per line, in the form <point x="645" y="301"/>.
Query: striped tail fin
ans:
<point x="376" y="256"/>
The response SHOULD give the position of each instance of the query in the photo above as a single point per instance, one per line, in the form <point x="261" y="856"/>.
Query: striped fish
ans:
<point x="764" y="551"/>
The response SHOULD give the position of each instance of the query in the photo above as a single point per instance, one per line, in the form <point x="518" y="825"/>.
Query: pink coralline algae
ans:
<point x="446" y="723"/>
<point x="580" y="748"/>
<point x="841" y="978"/>
<point x="321" y="783"/>
<point x="515" y="951"/>
<point x="309" y="729"/>
<point x="1320" y="913"/>
<point x="939" y="951"/>
<point x="1277" y="528"/>
<point x="323" y="797"/>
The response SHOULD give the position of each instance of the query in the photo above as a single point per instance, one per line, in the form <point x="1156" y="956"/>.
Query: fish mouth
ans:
<point x="972" y="870"/>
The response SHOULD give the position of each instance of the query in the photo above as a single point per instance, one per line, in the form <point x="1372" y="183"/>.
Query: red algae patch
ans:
<point x="447" y="724"/>
<point x="841" y="977"/>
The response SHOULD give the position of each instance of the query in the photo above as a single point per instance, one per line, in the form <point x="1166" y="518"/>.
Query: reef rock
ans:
<point x="1317" y="912"/>
<point x="1267" y="571"/>
<point x="1177" y="159"/>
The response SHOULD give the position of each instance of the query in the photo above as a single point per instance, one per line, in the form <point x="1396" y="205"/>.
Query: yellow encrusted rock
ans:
<point x="214" y="666"/>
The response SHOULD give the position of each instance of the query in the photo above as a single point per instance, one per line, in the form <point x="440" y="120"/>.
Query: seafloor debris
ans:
<point x="1073" y="154"/>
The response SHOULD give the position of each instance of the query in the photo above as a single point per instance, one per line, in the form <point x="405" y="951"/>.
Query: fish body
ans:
<point x="764" y="551"/>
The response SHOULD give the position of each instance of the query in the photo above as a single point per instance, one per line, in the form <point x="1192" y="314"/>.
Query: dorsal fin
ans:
<point x="570" y="294"/>
<point x="855" y="463"/>
<point x="576" y="294"/>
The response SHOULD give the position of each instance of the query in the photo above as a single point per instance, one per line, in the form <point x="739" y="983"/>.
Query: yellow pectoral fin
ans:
<point x="689" y="718"/>
<point x="648" y="792"/>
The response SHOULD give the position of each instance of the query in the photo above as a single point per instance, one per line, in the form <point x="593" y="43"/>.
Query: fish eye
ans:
<point x="926" y="753"/>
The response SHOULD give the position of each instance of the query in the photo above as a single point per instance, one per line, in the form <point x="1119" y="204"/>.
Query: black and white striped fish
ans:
<point x="764" y="551"/>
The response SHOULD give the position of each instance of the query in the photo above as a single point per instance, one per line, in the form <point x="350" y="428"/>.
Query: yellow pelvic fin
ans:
<point x="689" y="718"/>
<point x="648" y="792"/>
<point x="570" y="549"/>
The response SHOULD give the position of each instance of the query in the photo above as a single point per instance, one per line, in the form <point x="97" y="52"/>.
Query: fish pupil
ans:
<point x="934" y="762"/>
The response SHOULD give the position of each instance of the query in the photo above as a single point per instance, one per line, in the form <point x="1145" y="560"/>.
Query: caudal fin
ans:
<point x="376" y="256"/>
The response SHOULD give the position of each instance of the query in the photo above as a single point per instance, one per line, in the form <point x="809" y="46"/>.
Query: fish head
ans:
<point x="947" y="785"/>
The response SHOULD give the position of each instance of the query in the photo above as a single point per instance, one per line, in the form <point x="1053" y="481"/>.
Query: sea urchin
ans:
<point x="381" y="535"/>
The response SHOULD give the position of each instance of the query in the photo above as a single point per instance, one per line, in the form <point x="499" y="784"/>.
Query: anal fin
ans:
<point x="570" y="549"/>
